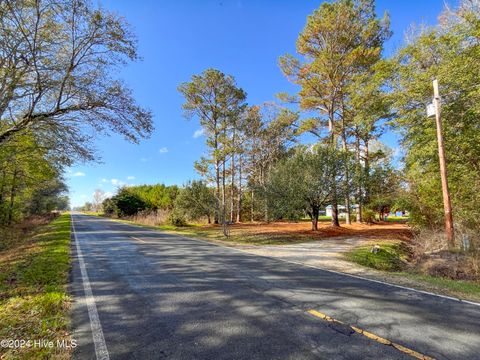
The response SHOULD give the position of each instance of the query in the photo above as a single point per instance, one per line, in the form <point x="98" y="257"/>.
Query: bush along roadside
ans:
<point x="34" y="304"/>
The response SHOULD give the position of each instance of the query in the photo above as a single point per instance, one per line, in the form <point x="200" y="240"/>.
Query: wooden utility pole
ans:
<point x="447" y="205"/>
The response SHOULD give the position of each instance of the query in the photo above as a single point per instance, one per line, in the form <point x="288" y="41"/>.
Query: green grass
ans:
<point x="398" y="219"/>
<point x="320" y="218"/>
<point x="448" y="286"/>
<point x="389" y="257"/>
<point x="33" y="299"/>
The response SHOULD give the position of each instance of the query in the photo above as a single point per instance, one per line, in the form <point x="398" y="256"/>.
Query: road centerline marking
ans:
<point x="101" y="350"/>
<point x="372" y="336"/>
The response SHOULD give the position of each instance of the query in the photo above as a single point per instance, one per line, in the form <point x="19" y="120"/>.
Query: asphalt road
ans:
<point x="160" y="296"/>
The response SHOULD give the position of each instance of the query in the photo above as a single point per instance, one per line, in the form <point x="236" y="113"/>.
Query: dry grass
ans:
<point x="428" y="242"/>
<point x="437" y="270"/>
<point x="150" y="218"/>
<point x="11" y="235"/>
<point x="431" y="256"/>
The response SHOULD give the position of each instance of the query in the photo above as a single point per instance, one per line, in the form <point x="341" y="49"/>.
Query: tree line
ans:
<point x="259" y="167"/>
<point x="349" y="95"/>
<point x="342" y="104"/>
<point x="57" y="92"/>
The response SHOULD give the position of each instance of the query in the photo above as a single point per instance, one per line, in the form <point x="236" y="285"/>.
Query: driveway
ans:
<point x="322" y="253"/>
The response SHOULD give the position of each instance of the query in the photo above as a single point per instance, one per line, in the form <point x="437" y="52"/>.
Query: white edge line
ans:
<point x="101" y="350"/>
<point x="306" y="265"/>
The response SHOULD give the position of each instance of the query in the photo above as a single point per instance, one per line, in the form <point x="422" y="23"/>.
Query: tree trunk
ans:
<point x="335" y="221"/>
<point x="347" y="206"/>
<point x="2" y="187"/>
<point x="252" y="208"/>
<point x="265" y="202"/>
<point x="3" y="194"/>
<point x="266" y="218"/>
<point x="367" y="173"/>
<point x="359" y="180"/>
<point x="13" y="194"/>
<point x="331" y="118"/>
<point x="216" y="215"/>
<point x="217" y="192"/>
<point x="239" y="190"/>
<point x="232" y="189"/>
<point x="347" y="179"/>
<point x="224" y="195"/>
<point x="315" y="213"/>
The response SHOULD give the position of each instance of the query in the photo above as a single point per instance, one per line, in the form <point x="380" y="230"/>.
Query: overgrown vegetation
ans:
<point x="448" y="52"/>
<point x="31" y="181"/>
<point x="34" y="303"/>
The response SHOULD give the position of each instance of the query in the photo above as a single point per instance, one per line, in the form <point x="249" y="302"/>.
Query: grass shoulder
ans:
<point x="34" y="303"/>
<point x="388" y="256"/>
<point x="391" y="260"/>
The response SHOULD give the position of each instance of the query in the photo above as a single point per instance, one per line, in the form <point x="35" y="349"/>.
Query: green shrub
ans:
<point x="127" y="203"/>
<point x="109" y="207"/>
<point x="176" y="218"/>
<point x="368" y="216"/>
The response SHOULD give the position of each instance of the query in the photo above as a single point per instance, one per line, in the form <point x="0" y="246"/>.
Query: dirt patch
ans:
<point x="430" y="255"/>
<point x="302" y="231"/>
<point x="455" y="266"/>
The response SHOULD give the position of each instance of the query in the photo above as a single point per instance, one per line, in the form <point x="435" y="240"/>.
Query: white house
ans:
<point x="341" y="210"/>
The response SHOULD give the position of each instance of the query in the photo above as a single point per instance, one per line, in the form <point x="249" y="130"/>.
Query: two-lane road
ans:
<point x="143" y="294"/>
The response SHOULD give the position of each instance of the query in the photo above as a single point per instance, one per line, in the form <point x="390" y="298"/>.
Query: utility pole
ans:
<point x="447" y="205"/>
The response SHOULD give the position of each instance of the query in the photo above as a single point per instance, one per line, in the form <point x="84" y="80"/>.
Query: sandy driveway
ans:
<point x="323" y="253"/>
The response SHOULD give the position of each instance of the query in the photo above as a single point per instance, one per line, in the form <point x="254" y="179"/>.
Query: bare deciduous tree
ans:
<point x="56" y="64"/>
<point x="98" y="197"/>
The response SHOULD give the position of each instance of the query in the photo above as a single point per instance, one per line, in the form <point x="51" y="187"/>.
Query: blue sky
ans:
<point x="179" y="38"/>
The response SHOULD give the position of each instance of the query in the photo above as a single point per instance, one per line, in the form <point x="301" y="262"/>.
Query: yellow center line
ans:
<point x="374" y="337"/>
<point x="135" y="238"/>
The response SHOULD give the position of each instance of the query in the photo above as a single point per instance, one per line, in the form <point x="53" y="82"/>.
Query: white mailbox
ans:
<point x="431" y="110"/>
